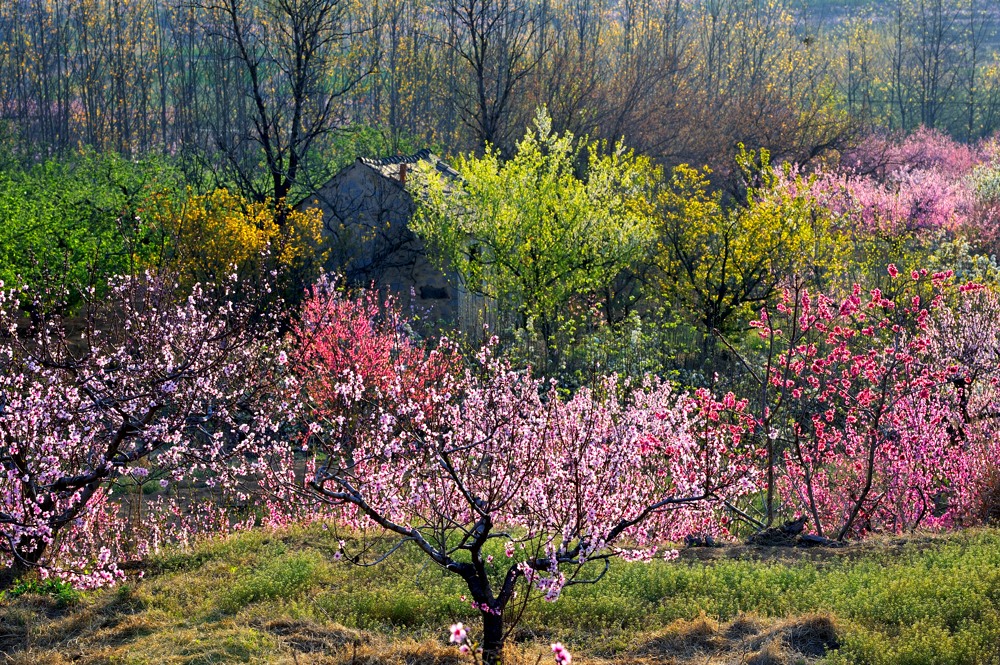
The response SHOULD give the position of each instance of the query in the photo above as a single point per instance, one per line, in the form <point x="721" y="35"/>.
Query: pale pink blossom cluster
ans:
<point x="924" y="182"/>
<point x="145" y="387"/>
<point x="460" y="637"/>
<point x="907" y="202"/>
<point x="561" y="654"/>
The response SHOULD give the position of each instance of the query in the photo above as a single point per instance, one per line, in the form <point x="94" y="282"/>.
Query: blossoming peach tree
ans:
<point x="877" y="411"/>
<point x="423" y="451"/>
<point x="964" y="340"/>
<point x="141" y="382"/>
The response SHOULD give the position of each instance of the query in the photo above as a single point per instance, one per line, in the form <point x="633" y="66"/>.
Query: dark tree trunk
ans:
<point x="491" y="607"/>
<point x="492" y="638"/>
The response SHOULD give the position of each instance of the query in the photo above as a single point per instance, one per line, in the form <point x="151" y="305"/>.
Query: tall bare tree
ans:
<point x="294" y="68"/>
<point x="493" y="40"/>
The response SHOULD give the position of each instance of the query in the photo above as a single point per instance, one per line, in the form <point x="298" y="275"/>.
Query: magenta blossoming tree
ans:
<point x="869" y="410"/>
<point x="492" y="454"/>
<point x="139" y="382"/>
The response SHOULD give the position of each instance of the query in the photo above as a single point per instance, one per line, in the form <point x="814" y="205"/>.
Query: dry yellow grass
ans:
<point x="748" y="639"/>
<point x="107" y="632"/>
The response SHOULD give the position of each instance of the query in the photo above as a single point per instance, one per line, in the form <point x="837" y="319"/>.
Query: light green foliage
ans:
<point x="281" y="577"/>
<point x="957" y="254"/>
<point x="545" y="234"/>
<point x="649" y="339"/>
<point x="78" y="219"/>
<point x="62" y="592"/>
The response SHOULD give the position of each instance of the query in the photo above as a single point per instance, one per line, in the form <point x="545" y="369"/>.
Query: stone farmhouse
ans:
<point x="366" y="214"/>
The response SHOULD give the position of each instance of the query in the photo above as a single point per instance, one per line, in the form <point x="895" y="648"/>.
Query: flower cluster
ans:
<point x="561" y="654"/>
<point x="876" y="401"/>
<point x="150" y="389"/>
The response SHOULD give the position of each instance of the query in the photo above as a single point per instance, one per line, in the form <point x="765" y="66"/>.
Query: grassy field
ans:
<point x="282" y="598"/>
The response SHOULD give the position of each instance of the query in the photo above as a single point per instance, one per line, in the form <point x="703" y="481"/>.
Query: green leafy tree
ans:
<point x="78" y="220"/>
<point x="545" y="236"/>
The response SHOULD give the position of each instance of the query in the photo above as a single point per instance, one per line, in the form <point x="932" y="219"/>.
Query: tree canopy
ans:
<point x="559" y="221"/>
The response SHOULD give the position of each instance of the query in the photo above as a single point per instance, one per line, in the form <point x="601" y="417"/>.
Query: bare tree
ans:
<point x="494" y="41"/>
<point x="293" y="64"/>
<point x="977" y="34"/>
<point x="938" y="31"/>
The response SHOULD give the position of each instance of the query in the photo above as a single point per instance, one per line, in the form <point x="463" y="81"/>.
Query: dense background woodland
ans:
<point x="733" y="272"/>
<point x="230" y="85"/>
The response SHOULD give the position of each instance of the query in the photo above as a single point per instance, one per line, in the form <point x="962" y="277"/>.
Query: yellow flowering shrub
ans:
<point x="209" y="235"/>
<point x="719" y="261"/>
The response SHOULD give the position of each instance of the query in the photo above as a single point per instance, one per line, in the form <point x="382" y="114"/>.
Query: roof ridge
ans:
<point x="422" y="154"/>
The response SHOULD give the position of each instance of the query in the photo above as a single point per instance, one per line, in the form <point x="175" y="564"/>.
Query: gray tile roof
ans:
<point x="390" y="166"/>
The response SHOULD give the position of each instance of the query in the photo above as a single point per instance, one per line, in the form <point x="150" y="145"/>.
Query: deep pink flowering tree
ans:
<point x="140" y="383"/>
<point x="353" y="352"/>
<point x="865" y="413"/>
<point x="493" y="454"/>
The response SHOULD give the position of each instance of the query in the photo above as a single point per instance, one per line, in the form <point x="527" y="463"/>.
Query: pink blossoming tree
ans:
<point x="867" y="412"/>
<point x="492" y="454"/>
<point x="922" y="187"/>
<point x="965" y="344"/>
<point x="140" y="383"/>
